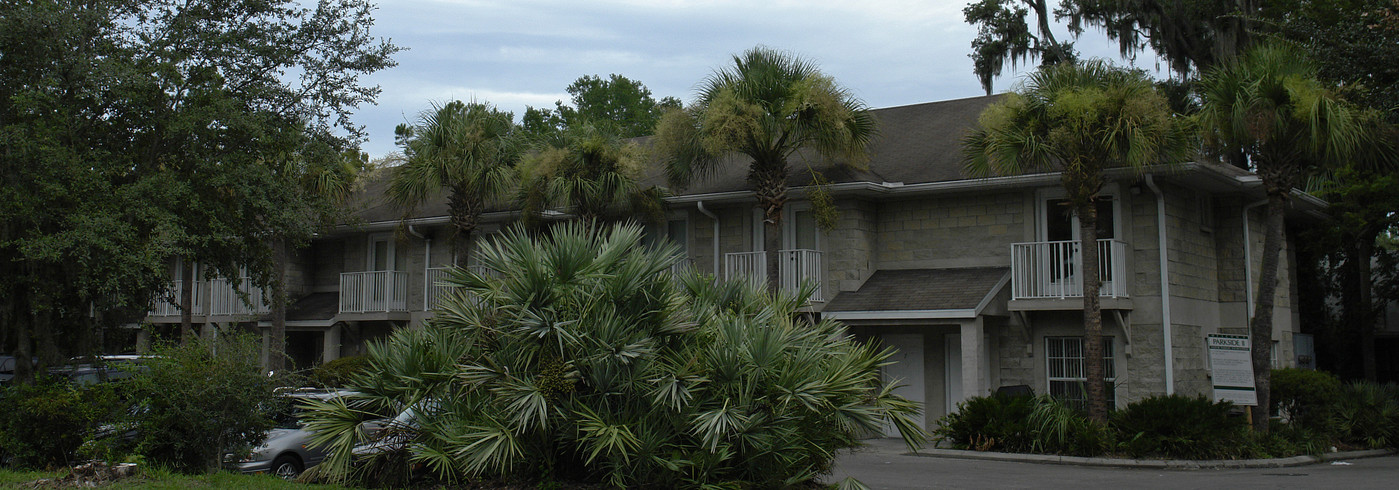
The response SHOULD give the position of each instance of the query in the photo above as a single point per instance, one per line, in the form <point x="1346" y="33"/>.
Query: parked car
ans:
<point x="7" y="368"/>
<point x="396" y="433"/>
<point x="287" y="450"/>
<point x="85" y="371"/>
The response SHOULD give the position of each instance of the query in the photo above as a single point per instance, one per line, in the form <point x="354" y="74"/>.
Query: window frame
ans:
<point x="1109" y="369"/>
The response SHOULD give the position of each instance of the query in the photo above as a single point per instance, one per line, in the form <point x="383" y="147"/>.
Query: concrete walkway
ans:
<point x="888" y="464"/>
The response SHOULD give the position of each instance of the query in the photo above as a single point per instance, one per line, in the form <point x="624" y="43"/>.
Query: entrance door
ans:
<point x="953" y="383"/>
<point x="907" y="367"/>
<point x="378" y="287"/>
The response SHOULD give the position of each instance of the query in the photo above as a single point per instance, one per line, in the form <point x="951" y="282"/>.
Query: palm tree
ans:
<point x="466" y="149"/>
<point x="585" y="358"/>
<point x="590" y="172"/>
<point x="1079" y="120"/>
<point x="1269" y="105"/>
<point x="767" y="106"/>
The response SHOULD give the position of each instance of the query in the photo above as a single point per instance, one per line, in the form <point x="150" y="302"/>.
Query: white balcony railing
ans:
<point x="1042" y="270"/>
<point x="169" y="305"/>
<point x="797" y="266"/>
<point x="228" y="297"/>
<point x="374" y="291"/>
<point x="435" y="289"/>
<point x="682" y="267"/>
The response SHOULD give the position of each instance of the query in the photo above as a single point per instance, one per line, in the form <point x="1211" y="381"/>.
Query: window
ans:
<point x="1064" y="356"/>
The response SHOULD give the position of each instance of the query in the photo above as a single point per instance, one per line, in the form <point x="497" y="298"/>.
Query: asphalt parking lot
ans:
<point x="886" y="465"/>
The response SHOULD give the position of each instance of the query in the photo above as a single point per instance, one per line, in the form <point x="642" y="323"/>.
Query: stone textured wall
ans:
<point x="957" y="231"/>
<point x="734" y="235"/>
<point x="849" y="249"/>
<point x="1192" y="256"/>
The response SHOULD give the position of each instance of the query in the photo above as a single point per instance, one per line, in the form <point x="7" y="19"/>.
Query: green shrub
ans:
<point x="1305" y="397"/>
<point x="1059" y="428"/>
<point x="1180" y="427"/>
<point x="200" y="401"/>
<point x="1022" y="423"/>
<point x="337" y="373"/>
<point x="989" y="423"/>
<point x="586" y="360"/>
<point x="43" y="424"/>
<point x="1367" y="415"/>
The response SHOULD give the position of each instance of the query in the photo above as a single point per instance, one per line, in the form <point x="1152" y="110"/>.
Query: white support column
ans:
<point x="330" y="350"/>
<point x="974" y="365"/>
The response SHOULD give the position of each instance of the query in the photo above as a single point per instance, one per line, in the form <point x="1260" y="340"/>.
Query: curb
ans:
<point x="1170" y="464"/>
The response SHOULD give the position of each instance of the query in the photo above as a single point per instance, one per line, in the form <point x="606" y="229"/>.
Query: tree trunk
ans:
<point x="1092" y="312"/>
<point x="1262" y="328"/>
<point x="24" y="353"/>
<point x="770" y="186"/>
<point x="277" y="346"/>
<point x="772" y="248"/>
<point x="1365" y="249"/>
<point x="186" y="299"/>
<point x="465" y="207"/>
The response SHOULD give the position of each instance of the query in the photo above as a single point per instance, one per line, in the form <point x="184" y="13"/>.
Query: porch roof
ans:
<point x="314" y="306"/>
<point x="911" y="294"/>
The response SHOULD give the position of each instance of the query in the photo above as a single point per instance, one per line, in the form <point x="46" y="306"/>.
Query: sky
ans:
<point x="519" y="53"/>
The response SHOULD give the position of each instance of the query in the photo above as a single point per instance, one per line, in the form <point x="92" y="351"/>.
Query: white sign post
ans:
<point x="1231" y="366"/>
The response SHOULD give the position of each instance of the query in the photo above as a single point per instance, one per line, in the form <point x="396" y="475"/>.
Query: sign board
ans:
<point x="1231" y="367"/>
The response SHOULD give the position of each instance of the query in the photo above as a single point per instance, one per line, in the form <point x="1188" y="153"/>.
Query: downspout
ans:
<point x="427" y="261"/>
<point x="712" y="217"/>
<point x="1248" y="265"/>
<point x="1165" y="284"/>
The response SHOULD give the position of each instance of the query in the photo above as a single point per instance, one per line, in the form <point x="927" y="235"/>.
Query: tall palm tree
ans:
<point x="1269" y="105"/>
<point x="1079" y="120"/>
<point x="468" y="150"/>
<point x="767" y="106"/>
<point x="589" y="171"/>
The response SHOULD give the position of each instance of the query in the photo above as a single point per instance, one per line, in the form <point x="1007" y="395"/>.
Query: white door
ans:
<point x="378" y="284"/>
<point x="953" y="383"/>
<point x="907" y="368"/>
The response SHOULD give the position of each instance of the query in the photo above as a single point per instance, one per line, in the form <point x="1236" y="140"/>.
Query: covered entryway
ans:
<point x="936" y="319"/>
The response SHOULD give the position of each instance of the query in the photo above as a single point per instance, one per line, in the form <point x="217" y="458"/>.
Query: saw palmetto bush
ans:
<point x="585" y="359"/>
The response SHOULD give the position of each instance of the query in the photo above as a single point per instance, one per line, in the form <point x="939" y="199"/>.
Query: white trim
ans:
<point x="369" y="251"/>
<point x="900" y="314"/>
<point x="995" y="290"/>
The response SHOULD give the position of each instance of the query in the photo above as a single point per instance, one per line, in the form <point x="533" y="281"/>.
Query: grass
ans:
<point x="161" y="479"/>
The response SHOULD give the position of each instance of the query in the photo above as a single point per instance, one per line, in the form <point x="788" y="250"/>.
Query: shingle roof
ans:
<point x="314" y="306"/>
<point x="916" y="143"/>
<point x="921" y="290"/>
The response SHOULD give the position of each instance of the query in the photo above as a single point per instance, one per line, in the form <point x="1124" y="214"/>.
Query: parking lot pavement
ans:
<point x="885" y="464"/>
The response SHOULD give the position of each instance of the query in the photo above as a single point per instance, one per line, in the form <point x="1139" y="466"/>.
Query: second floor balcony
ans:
<point x="168" y="303"/>
<point x="236" y="297"/>
<point x="1054" y="270"/>
<point x="373" y="292"/>
<point x="797" y="266"/>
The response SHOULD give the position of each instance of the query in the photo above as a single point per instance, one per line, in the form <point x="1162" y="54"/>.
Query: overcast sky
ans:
<point x="518" y="53"/>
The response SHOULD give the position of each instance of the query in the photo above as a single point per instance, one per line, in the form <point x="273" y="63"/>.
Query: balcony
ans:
<point x="436" y="289"/>
<point x="228" y="297"/>
<point x="797" y="266"/>
<point x="1052" y="270"/>
<point x="170" y="305"/>
<point x="373" y="292"/>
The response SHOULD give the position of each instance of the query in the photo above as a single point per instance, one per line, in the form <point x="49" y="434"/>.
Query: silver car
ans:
<point x="287" y="451"/>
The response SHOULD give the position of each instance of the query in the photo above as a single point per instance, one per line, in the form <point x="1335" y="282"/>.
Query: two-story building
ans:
<point x="974" y="281"/>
